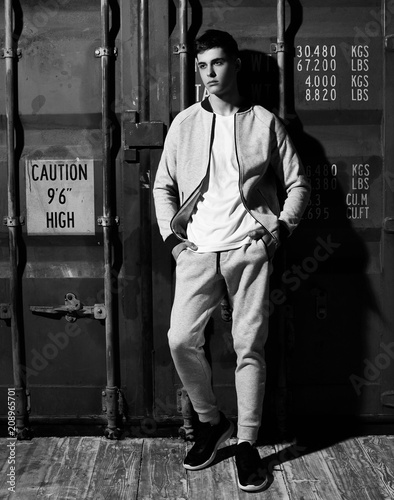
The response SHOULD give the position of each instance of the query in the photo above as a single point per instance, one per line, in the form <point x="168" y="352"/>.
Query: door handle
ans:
<point x="72" y="309"/>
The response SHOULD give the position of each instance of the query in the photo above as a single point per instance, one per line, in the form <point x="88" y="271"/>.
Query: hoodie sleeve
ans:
<point x="290" y="171"/>
<point x="165" y="189"/>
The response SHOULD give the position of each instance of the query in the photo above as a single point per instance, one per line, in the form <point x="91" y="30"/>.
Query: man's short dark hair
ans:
<point x="213" y="39"/>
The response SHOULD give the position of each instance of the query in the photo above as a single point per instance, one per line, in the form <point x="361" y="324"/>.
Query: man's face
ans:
<point x="218" y="71"/>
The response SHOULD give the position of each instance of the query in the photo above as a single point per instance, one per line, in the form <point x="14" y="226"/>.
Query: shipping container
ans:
<point x="87" y="93"/>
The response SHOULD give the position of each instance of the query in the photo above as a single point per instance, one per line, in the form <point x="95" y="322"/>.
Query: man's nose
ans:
<point x="211" y="71"/>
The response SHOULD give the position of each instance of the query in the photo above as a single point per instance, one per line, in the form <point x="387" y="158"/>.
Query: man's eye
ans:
<point x="218" y="63"/>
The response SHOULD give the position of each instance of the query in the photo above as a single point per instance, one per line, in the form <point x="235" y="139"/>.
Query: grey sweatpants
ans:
<point x="201" y="282"/>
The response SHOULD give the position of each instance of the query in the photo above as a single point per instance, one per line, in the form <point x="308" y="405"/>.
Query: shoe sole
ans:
<point x="252" y="487"/>
<point x="221" y="440"/>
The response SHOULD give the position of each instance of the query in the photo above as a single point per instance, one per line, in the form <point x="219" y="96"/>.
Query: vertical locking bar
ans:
<point x="112" y="413"/>
<point x="186" y="430"/>
<point x="145" y="217"/>
<point x="143" y="73"/>
<point x="282" y="386"/>
<point x="183" y="55"/>
<point x="13" y="232"/>
<point x="281" y="58"/>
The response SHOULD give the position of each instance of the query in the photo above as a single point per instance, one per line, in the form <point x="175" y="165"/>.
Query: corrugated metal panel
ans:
<point x="329" y="350"/>
<point x="335" y="308"/>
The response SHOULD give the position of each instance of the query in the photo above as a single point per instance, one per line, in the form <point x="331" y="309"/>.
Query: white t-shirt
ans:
<point x="220" y="221"/>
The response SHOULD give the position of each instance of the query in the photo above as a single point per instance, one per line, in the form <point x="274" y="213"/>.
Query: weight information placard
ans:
<point x="348" y="188"/>
<point x="338" y="75"/>
<point x="60" y="197"/>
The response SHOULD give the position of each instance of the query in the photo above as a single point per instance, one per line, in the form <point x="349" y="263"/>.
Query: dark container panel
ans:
<point x="329" y="351"/>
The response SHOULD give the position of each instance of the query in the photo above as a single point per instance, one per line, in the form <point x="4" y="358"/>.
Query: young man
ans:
<point x="218" y="211"/>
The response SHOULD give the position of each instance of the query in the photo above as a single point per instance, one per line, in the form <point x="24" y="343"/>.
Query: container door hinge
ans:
<point x="389" y="43"/>
<point x="112" y="405"/>
<point x="112" y="402"/>
<point x="5" y="311"/>
<point x="23" y="400"/>
<point x="22" y="430"/>
<point x="387" y="399"/>
<point x="72" y="309"/>
<point x="388" y="225"/>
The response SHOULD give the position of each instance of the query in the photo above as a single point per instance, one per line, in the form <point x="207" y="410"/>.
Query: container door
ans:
<point x="330" y="350"/>
<point x="60" y="196"/>
<point x="338" y="271"/>
<point x="60" y="257"/>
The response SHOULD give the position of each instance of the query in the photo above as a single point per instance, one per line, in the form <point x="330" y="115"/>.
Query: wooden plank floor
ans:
<point x="94" y="468"/>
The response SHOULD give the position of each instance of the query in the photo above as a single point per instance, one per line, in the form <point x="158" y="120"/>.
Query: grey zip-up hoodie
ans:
<point x="260" y="142"/>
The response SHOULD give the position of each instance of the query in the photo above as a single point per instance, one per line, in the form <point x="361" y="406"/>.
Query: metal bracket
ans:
<point x="111" y="401"/>
<point x="143" y="134"/>
<point x="112" y="406"/>
<point x="278" y="47"/>
<point x="23" y="399"/>
<point x="389" y="43"/>
<point x="9" y="52"/>
<point x="388" y="225"/>
<point x="180" y="48"/>
<point x="387" y="399"/>
<point x="22" y="429"/>
<point x="73" y="309"/>
<point x="106" y="51"/>
<point x="13" y="221"/>
<point x="185" y="407"/>
<point x="108" y="221"/>
<point x="5" y="311"/>
<point x="28" y="401"/>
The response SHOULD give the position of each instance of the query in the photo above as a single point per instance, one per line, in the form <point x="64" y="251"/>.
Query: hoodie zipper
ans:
<point x="240" y="183"/>
<point x="190" y="197"/>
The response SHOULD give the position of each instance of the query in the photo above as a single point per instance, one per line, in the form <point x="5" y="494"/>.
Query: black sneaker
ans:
<point x="251" y="476"/>
<point x="208" y="439"/>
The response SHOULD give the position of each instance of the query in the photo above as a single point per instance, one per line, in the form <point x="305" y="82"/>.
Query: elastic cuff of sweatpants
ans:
<point x="208" y="417"/>
<point x="247" y="433"/>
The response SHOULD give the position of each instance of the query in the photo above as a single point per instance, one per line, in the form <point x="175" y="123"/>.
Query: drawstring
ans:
<point x="217" y="262"/>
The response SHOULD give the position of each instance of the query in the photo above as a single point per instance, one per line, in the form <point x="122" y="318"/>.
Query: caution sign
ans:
<point x="60" y="197"/>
